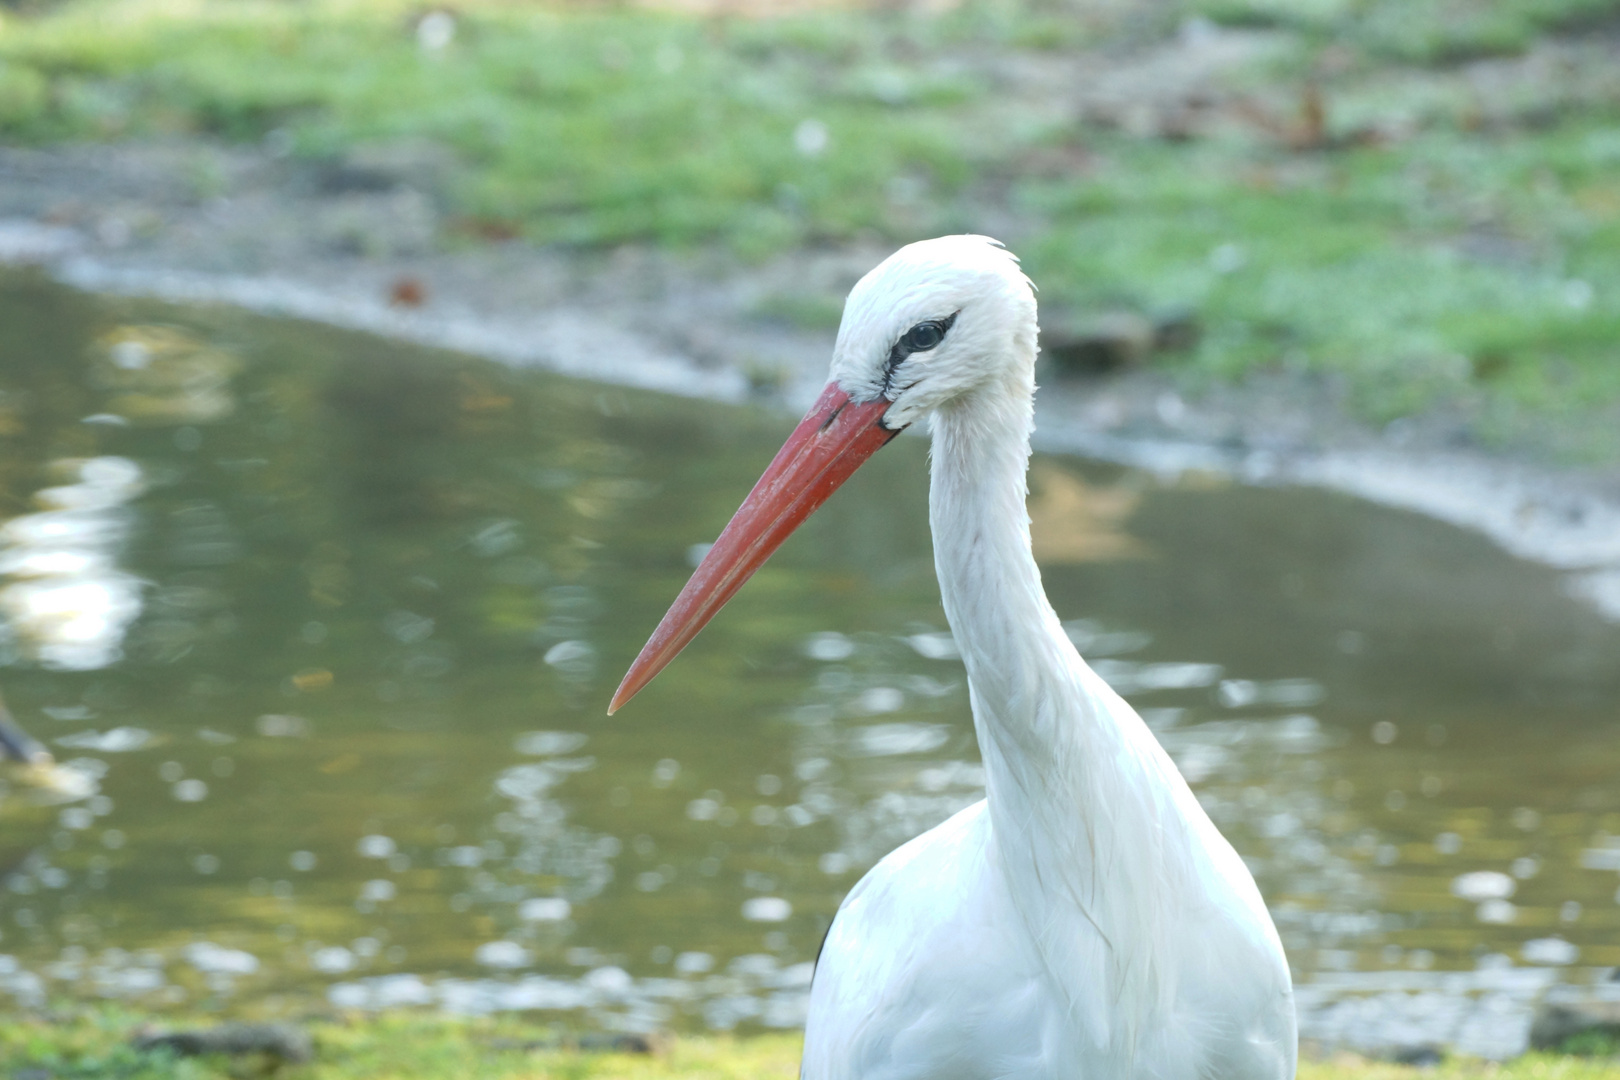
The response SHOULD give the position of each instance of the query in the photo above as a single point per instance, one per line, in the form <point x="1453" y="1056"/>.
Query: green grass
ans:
<point x="578" y="128"/>
<point x="1449" y="268"/>
<point x="95" y="1045"/>
<point x="1423" y="254"/>
<point x="1529" y="1067"/>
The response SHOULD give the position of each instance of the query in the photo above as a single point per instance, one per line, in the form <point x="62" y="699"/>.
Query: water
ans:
<point x="332" y="622"/>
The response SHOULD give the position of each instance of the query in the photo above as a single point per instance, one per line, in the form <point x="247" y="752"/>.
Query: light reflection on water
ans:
<point x="347" y="723"/>
<point x="67" y="603"/>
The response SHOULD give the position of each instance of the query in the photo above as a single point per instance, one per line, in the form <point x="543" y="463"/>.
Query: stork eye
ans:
<point x="923" y="336"/>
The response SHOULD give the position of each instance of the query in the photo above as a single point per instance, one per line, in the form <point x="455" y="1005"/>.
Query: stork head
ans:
<point x="934" y="321"/>
<point x="937" y="321"/>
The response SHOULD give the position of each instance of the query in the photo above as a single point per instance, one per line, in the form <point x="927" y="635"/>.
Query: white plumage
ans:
<point x="1086" y="921"/>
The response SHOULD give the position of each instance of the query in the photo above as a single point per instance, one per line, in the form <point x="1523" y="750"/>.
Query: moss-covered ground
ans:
<point x="96" y="1044"/>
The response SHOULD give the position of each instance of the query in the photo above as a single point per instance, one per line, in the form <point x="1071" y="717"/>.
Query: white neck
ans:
<point x="1019" y="661"/>
<point x="1074" y="780"/>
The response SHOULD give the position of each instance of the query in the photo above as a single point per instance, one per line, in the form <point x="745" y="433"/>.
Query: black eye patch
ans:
<point x="924" y="336"/>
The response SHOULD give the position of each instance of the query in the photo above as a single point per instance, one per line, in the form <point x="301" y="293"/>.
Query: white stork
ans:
<point x="1086" y="921"/>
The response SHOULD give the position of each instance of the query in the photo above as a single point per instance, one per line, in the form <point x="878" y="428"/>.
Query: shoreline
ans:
<point x="700" y="325"/>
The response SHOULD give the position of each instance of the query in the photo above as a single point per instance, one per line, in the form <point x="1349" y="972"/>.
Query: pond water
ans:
<point x="331" y="623"/>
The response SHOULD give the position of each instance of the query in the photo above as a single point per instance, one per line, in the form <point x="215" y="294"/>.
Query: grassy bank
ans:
<point x="1418" y="198"/>
<point x="97" y="1045"/>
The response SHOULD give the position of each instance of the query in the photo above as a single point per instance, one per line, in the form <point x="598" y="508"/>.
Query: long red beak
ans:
<point x="829" y="444"/>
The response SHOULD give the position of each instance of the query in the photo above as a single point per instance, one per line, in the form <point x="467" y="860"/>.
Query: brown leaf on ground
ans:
<point x="408" y="291"/>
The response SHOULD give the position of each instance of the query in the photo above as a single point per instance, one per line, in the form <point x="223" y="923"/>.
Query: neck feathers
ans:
<point x="1075" y="782"/>
<point x="1018" y="658"/>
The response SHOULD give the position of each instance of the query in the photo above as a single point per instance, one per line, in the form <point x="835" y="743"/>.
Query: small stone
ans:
<point x="381" y="167"/>
<point x="1102" y="342"/>
<point x="1555" y="1025"/>
<point x="284" y="1041"/>
<point x="1424" y="1056"/>
<point x="1176" y="330"/>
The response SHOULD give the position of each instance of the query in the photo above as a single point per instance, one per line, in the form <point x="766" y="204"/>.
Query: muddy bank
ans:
<point x="366" y="244"/>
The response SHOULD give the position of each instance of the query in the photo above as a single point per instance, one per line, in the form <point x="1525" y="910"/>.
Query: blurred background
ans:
<point x="320" y="625"/>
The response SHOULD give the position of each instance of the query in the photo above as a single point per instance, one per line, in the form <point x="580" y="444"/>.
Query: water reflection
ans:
<point x="351" y="736"/>
<point x="162" y="375"/>
<point x="66" y="602"/>
<point x="1073" y="521"/>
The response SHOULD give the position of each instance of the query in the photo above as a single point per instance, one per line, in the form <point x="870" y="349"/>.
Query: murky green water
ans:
<point x="333" y="623"/>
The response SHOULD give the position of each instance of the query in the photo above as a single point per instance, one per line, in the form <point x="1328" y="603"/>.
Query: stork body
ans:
<point x="1086" y="921"/>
